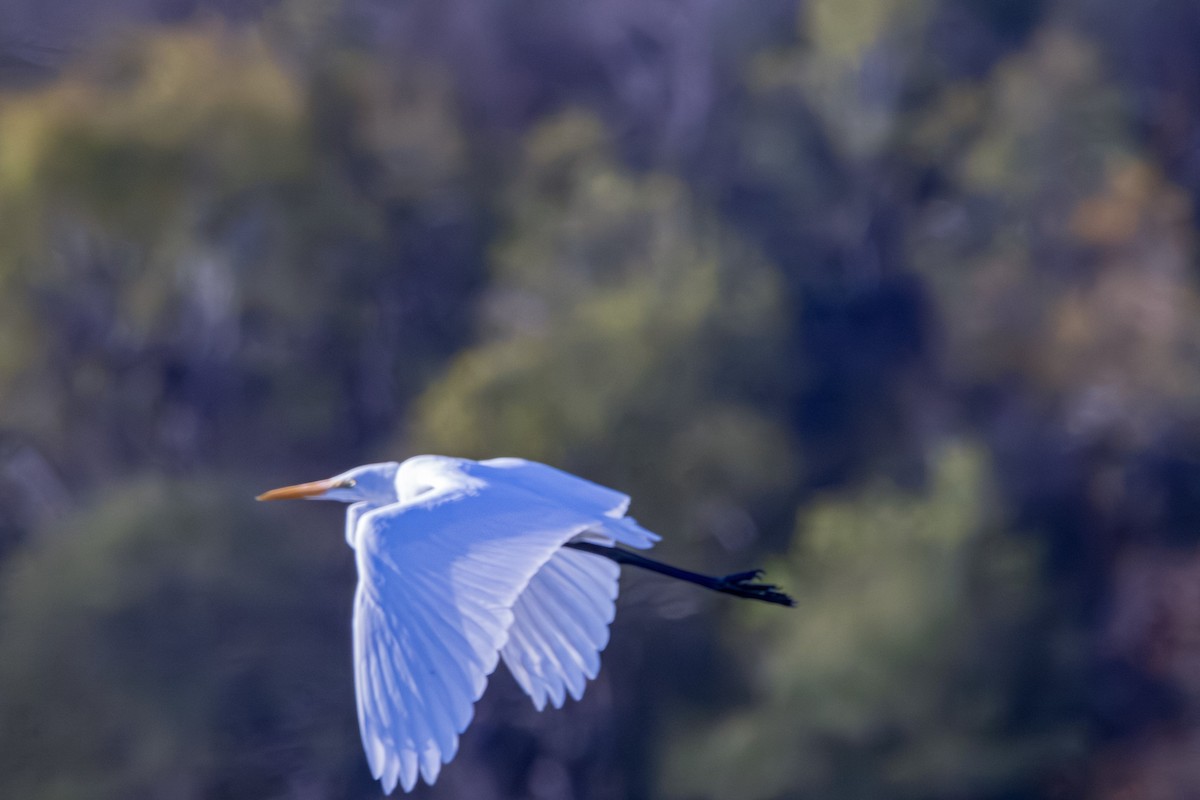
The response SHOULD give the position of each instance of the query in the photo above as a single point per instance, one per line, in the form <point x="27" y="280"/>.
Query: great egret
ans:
<point x="462" y="563"/>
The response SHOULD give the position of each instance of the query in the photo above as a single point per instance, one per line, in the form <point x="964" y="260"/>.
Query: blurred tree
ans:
<point x="624" y="336"/>
<point x="1072" y="251"/>
<point x="1062" y="261"/>
<point x="921" y="630"/>
<point x="1069" y="306"/>
<point x="806" y="168"/>
<point x="184" y="647"/>
<point x="178" y="222"/>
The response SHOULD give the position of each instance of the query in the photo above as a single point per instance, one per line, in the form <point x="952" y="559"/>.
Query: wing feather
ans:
<point x="547" y="481"/>
<point x="574" y="598"/>
<point x="572" y="636"/>
<point x="561" y="625"/>
<point x="439" y="577"/>
<point x="436" y="698"/>
<point x="564" y="655"/>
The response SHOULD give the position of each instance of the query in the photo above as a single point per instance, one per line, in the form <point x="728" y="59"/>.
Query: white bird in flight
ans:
<point x="462" y="563"/>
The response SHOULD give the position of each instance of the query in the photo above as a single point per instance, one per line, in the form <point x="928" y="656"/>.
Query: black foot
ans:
<point x="742" y="584"/>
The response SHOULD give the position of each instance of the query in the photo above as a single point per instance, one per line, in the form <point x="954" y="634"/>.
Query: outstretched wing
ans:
<point x="560" y="626"/>
<point x="438" y="579"/>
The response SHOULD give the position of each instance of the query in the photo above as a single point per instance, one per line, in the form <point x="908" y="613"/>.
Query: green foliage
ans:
<point x="161" y="649"/>
<point x="846" y="41"/>
<point x="623" y="334"/>
<point x="1104" y="327"/>
<point x="178" y="220"/>
<point x="894" y="593"/>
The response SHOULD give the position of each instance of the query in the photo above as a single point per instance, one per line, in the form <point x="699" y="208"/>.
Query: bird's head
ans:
<point x="374" y="482"/>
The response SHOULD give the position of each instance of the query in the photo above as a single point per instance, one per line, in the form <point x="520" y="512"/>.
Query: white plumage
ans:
<point x="461" y="563"/>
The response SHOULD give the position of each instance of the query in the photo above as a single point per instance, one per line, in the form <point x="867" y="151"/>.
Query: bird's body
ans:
<point x="463" y="563"/>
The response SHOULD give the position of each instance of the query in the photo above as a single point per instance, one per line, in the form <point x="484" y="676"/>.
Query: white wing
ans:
<point x="546" y="481"/>
<point x="561" y="619"/>
<point x="560" y="626"/>
<point x="563" y="487"/>
<point x="438" y="579"/>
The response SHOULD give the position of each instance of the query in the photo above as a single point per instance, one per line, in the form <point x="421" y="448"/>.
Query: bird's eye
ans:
<point x="349" y="483"/>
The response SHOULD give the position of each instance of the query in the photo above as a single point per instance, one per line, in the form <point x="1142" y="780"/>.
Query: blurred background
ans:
<point x="897" y="298"/>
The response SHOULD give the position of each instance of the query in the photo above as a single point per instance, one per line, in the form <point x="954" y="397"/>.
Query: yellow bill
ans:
<point x="300" y="490"/>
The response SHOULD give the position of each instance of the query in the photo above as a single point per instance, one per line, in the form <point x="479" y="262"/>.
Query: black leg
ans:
<point x="739" y="584"/>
